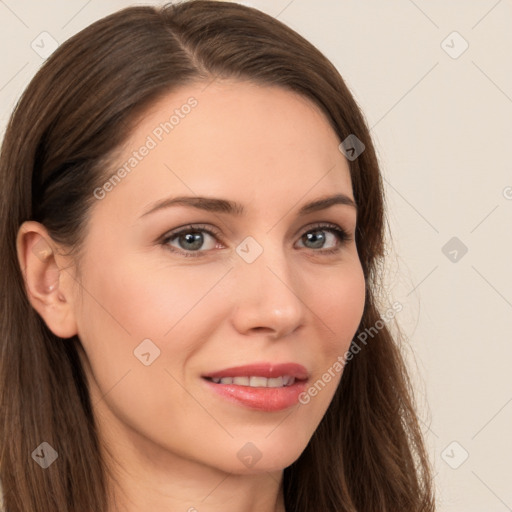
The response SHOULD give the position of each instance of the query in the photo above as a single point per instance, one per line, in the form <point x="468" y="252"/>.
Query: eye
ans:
<point x="190" y="239"/>
<point x="195" y="240"/>
<point x="317" y="236"/>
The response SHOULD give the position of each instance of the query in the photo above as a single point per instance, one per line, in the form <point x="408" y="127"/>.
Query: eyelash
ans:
<point x="340" y="233"/>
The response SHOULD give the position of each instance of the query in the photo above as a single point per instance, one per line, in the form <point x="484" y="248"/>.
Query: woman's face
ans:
<point x="271" y="285"/>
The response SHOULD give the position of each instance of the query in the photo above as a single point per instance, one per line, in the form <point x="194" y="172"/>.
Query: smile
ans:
<point x="256" y="382"/>
<point x="264" y="386"/>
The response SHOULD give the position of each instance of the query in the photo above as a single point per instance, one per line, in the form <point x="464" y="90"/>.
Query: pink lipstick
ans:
<point x="263" y="386"/>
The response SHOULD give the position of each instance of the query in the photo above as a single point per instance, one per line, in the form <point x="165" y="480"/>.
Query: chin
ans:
<point x="253" y="457"/>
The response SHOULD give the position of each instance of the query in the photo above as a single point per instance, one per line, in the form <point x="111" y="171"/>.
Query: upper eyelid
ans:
<point x="191" y="227"/>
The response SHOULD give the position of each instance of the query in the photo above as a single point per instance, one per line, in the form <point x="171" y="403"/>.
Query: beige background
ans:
<point x="442" y="125"/>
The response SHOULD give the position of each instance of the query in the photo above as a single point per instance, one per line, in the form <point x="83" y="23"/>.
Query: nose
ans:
<point x="268" y="296"/>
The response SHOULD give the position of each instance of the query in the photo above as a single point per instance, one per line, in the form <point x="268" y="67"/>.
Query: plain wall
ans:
<point x="441" y="119"/>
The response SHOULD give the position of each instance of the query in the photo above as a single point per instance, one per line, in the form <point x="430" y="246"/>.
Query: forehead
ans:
<point x="231" y="139"/>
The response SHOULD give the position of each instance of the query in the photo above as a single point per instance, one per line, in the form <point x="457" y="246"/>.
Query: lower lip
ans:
<point x="263" y="399"/>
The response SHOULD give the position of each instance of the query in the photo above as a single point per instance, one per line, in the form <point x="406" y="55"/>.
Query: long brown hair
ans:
<point x="367" y="454"/>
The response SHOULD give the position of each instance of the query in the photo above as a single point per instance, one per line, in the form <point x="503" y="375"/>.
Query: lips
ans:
<point x="264" y="386"/>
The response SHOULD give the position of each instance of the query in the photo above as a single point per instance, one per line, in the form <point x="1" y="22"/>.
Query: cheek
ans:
<point x="341" y="307"/>
<point x="128" y="301"/>
<point x="125" y="306"/>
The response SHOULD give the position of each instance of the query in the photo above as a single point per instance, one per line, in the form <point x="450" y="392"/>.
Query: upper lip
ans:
<point x="268" y="370"/>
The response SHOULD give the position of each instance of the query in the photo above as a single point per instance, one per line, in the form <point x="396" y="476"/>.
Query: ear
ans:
<point x="48" y="286"/>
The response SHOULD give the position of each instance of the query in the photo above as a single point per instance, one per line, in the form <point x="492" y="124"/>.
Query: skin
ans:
<point x="174" y="440"/>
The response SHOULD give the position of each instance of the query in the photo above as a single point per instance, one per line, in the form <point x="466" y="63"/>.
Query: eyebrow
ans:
<point x="212" y="204"/>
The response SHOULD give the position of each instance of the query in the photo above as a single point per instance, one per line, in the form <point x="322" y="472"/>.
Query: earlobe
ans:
<point x="45" y="282"/>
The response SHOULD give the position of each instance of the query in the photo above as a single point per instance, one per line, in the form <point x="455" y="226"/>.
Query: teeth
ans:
<point x="276" y="382"/>
<point x="256" y="382"/>
<point x="288" y="381"/>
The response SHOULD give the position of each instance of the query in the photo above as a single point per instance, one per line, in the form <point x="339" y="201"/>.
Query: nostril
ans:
<point x="262" y="329"/>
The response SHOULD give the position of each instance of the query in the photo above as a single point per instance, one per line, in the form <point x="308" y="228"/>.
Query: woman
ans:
<point x="192" y="230"/>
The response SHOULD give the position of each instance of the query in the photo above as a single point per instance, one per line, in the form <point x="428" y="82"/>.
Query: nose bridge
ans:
<point x="268" y="294"/>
